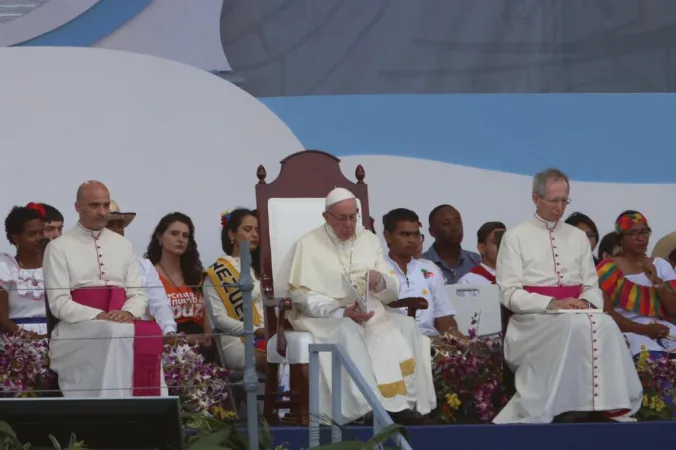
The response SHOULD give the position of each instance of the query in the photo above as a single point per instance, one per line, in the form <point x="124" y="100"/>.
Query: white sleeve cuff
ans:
<point x="338" y="313"/>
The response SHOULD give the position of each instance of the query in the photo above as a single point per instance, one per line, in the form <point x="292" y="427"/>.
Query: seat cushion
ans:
<point x="297" y="351"/>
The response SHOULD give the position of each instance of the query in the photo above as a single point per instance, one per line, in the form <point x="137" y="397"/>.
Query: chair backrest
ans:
<point x="292" y="205"/>
<point x="480" y="303"/>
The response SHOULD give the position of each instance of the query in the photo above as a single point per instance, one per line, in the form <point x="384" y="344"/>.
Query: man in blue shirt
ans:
<point x="446" y="252"/>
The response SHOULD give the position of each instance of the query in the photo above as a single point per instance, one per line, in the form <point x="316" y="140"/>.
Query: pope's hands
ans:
<point x="356" y="315"/>
<point x="376" y="281"/>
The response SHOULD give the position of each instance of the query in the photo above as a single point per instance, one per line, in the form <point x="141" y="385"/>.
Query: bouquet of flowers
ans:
<point x="202" y="387"/>
<point x="24" y="365"/>
<point x="658" y="377"/>
<point x="468" y="378"/>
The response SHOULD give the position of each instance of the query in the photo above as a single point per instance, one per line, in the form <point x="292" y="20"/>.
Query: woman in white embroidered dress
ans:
<point x="22" y="294"/>
<point x="225" y="303"/>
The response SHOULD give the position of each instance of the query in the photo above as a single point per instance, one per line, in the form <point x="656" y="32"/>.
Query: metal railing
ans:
<point x="246" y="286"/>
<point x="340" y="360"/>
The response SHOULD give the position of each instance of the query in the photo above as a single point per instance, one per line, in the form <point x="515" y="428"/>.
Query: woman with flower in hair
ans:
<point x="22" y="293"/>
<point x="639" y="291"/>
<point x="225" y="303"/>
<point x="173" y="252"/>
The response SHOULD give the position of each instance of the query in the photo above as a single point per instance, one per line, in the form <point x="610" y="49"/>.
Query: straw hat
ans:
<point x="665" y="246"/>
<point x="115" y="214"/>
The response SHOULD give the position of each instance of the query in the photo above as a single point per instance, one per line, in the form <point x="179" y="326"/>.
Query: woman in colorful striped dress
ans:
<point x="639" y="291"/>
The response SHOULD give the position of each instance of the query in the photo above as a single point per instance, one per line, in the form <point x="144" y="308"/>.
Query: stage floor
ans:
<point x="584" y="436"/>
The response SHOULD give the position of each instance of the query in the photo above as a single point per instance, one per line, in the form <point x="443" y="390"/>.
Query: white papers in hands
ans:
<point x="354" y="296"/>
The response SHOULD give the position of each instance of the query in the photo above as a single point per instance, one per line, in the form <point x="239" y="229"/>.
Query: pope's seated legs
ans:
<point x="384" y="357"/>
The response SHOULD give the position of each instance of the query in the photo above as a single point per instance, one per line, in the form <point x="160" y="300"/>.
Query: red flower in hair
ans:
<point x="37" y="207"/>
<point x="225" y="218"/>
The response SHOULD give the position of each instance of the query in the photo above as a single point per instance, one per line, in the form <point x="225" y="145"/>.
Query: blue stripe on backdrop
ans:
<point x="624" y="138"/>
<point x="91" y="26"/>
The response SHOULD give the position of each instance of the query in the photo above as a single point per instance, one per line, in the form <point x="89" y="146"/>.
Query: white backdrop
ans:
<point x="162" y="135"/>
<point x="165" y="136"/>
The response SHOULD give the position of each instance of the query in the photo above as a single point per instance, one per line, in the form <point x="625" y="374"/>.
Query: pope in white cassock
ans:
<point x="386" y="346"/>
<point x="568" y="355"/>
<point x="100" y="348"/>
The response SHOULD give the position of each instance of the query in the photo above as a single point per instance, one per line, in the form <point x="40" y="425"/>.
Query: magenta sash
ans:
<point x="148" y="342"/>
<point x="557" y="292"/>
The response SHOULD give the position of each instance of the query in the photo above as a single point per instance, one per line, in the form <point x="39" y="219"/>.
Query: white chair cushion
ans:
<point x="482" y="300"/>
<point x="297" y="350"/>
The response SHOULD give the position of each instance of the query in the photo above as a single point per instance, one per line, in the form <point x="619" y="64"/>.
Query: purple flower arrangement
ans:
<point x="202" y="387"/>
<point x="24" y="366"/>
<point x="658" y="377"/>
<point x="468" y="379"/>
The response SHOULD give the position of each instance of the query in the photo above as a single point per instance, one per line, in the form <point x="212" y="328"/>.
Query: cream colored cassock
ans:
<point x="93" y="358"/>
<point x="568" y="361"/>
<point x="390" y="352"/>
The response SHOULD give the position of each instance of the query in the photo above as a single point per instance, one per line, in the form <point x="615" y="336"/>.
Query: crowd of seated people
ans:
<point x="113" y="306"/>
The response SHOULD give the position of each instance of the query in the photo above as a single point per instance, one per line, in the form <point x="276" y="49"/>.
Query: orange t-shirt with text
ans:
<point x="187" y="305"/>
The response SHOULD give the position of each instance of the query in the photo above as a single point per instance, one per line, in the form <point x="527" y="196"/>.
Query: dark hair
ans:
<point x="577" y="218"/>
<point x="607" y="244"/>
<point x="486" y="229"/>
<point x="17" y="218"/>
<point x="392" y="218"/>
<point x="231" y="222"/>
<point x="434" y="212"/>
<point x="52" y="214"/>
<point x="191" y="266"/>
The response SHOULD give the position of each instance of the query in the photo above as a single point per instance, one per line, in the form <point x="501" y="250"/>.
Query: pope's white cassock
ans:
<point x="564" y="361"/>
<point x="86" y="273"/>
<point x="389" y="351"/>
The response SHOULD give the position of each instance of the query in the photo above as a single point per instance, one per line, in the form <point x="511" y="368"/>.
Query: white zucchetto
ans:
<point x="338" y="195"/>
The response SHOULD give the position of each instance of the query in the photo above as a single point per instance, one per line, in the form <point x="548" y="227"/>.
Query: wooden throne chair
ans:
<point x="288" y="208"/>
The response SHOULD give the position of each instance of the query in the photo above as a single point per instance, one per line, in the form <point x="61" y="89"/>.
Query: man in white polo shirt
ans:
<point x="418" y="278"/>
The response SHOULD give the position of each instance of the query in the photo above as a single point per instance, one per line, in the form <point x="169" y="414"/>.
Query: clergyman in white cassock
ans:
<point x="386" y="346"/>
<point x="568" y="355"/>
<point x="100" y="348"/>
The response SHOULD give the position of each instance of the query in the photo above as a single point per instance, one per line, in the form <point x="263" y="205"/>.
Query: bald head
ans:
<point x="87" y="187"/>
<point x="93" y="205"/>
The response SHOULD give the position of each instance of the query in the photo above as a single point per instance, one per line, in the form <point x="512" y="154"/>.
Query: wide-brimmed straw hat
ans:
<point x="116" y="214"/>
<point x="665" y="246"/>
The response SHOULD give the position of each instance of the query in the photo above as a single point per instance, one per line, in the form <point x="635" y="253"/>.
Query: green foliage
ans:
<point x="9" y="441"/>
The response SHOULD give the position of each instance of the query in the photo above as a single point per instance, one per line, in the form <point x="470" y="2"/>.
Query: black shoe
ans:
<point x="407" y="417"/>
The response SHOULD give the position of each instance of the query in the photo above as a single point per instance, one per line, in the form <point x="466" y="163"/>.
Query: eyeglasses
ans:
<point x="556" y="201"/>
<point x="636" y="233"/>
<point x="345" y="219"/>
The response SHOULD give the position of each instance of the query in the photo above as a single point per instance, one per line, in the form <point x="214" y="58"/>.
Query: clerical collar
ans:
<point x="92" y="233"/>
<point x="548" y="224"/>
